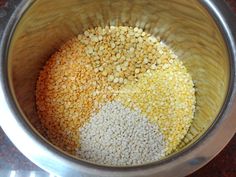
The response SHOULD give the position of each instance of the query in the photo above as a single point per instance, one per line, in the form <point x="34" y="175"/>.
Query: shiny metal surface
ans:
<point x="24" y="173"/>
<point x="202" y="33"/>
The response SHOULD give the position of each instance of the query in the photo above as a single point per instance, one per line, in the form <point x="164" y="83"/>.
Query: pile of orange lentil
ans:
<point x="121" y="63"/>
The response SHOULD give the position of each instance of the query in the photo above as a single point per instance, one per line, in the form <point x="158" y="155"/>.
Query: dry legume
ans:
<point x="67" y="92"/>
<point x="166" y="97"/>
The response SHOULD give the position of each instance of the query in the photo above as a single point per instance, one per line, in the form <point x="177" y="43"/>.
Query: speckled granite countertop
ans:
<point x="14" y="164"/>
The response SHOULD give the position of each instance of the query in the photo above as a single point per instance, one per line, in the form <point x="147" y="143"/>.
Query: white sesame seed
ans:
<point x="118" y="136"/>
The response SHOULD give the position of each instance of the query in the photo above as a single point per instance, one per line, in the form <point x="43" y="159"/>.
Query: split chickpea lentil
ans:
<point x="114" y="63"/>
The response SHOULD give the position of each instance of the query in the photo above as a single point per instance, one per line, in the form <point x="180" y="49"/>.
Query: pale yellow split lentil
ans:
<point x="167" y="97"/>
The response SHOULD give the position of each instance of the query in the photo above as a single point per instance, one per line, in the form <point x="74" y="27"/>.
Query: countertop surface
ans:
<point x="14" y="164"/>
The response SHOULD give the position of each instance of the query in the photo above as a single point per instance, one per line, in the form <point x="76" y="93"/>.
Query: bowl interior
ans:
<point x="183" y="25"/>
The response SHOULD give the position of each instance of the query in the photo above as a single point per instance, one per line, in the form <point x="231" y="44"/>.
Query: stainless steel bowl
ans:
<point x="201" y="32"/>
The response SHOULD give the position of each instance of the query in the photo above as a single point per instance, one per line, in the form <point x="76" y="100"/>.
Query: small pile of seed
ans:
<point x="119" y="136"/>
<point x="122" y="54"/>
<point x="166" y="96"/>
<point x="67" y="92"/>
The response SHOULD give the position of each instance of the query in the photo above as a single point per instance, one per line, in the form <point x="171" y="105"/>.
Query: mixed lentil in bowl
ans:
<point x="115" y="96"/>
